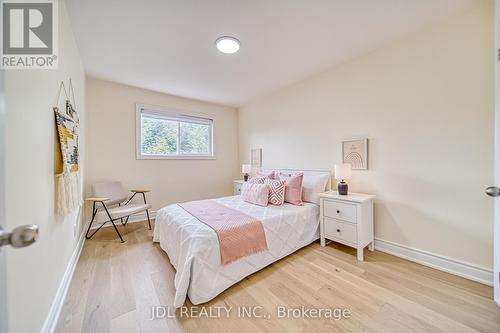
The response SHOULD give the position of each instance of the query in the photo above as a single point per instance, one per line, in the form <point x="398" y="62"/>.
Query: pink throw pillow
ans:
<point x="276" y="191"/>
<point x="257" y="194"/>
<point x="293" y="188"/>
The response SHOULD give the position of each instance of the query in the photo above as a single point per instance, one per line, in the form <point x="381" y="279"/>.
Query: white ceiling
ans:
<point x="168" y="45"/>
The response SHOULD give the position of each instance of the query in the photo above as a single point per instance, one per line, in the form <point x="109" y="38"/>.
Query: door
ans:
<point x="3" y="264"/>
<point x="21" y="236"/>
<point x="494" y="191"/>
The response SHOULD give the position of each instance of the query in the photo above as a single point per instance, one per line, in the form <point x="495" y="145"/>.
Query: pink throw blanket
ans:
<point x="239" y="235"/>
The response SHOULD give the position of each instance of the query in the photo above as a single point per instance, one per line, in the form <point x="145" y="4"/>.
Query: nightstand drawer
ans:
<point x="237" y="187"/>
<point x="340" y="230"/>
<point x="340" y="210"/>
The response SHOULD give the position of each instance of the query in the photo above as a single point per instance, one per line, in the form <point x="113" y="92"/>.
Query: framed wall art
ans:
<point x="256" y="158"/>
<point x="355" y="152"/>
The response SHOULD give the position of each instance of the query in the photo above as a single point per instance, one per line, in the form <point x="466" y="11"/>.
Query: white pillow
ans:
<point x="312" y="185"/>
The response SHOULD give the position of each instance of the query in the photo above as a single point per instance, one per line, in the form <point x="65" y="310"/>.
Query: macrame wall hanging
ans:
<point x="68" y="189"/>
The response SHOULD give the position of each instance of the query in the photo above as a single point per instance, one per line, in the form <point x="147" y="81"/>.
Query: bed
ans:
<point x="193" y="247"/>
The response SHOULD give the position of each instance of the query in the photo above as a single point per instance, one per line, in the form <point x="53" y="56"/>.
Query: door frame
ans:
<point x="496" y="227"/>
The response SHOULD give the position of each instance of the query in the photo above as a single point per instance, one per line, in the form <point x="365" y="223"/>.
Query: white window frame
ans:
<point x="172" y="114"/>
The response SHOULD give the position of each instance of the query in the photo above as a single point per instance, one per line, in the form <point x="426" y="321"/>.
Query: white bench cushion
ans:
<point x="121" y="211"/>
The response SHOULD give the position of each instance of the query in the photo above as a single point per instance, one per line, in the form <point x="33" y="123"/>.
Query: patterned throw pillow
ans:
<point x="257" y="180"/>
<point x="276" y="191"/>
<point x="267" y="174"/>
<point x="257" y="194"/>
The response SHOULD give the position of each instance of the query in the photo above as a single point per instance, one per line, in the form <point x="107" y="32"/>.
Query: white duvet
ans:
<point x="193" y="247"/>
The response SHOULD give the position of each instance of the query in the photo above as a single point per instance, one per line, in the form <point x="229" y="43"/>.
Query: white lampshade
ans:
<point x="342" y="171"/>
<point x="246" y="168"/>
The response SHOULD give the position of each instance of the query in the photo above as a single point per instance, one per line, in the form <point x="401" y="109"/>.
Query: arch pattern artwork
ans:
<point x="355" y="152"/>
<point x="355" y="159"/>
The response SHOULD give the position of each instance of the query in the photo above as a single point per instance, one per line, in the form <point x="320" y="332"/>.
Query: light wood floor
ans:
<point x="115" y="285"/>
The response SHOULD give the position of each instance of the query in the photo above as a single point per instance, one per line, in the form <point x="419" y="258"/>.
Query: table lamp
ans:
<point x="342" y="172"/>
<point x="245" y="170"/>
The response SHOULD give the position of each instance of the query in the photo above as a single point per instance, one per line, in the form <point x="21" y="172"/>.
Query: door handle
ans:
<point x="21" y="236"/>
<point x="493" y="191"/>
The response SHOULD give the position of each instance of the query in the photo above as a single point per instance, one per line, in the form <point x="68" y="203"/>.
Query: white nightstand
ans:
<point x="237" y="186"/>
<point x="347" y="219"/>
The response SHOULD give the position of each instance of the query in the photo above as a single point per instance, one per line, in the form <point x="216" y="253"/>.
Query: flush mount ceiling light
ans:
<point x="227" y="44"/>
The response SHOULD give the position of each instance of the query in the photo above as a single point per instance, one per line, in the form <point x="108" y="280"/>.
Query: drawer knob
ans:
<point x="338" y="230"/>
<point x="338" y="211"/>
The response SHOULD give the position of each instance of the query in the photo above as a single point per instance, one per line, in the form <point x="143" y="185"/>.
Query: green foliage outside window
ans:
<point x="160" y="137"/>
<point x="195" y="138"/>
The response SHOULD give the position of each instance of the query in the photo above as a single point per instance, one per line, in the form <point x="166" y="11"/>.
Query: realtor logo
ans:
<point x="29" y="39"/>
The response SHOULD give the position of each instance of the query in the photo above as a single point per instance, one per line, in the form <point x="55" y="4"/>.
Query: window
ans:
<point x="173" y="134"/>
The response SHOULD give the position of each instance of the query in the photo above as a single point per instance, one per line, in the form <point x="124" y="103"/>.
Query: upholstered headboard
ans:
<point x="328" y="186"/>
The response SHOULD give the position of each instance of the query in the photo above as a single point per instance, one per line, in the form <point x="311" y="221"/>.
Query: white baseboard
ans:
<point x="133" y="219"/>
<point x="55" y="309"/>
<point x="449" y="265"/>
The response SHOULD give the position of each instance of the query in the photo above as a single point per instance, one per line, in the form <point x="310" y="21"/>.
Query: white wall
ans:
<point x="111" y="146"/>
<point x="426" y="104"/>
<point x="34" y="273"/>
